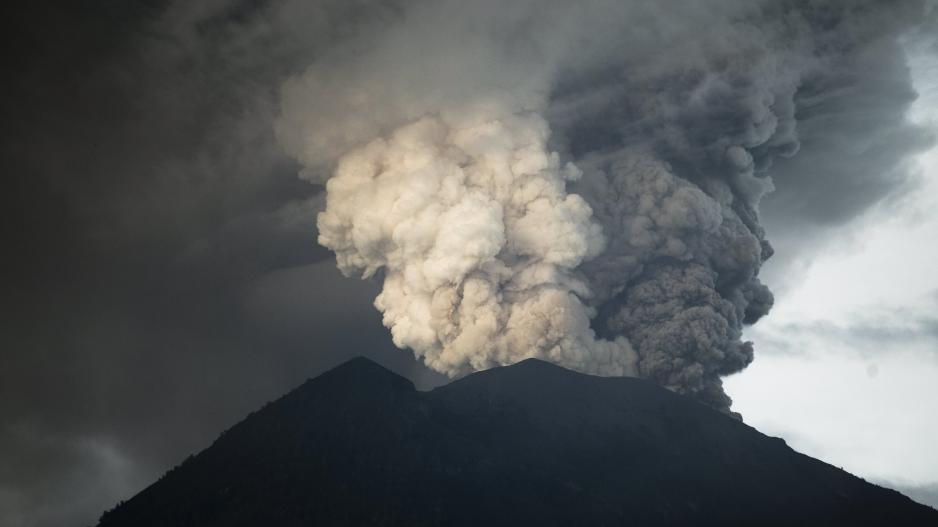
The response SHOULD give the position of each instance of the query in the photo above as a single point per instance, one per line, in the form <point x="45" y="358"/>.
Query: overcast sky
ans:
<point x="856" y="325"/>
<point x="162" y="276"/>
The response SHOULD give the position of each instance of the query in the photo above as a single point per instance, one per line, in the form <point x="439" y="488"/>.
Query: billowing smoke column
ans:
<point x="577" y="182"/>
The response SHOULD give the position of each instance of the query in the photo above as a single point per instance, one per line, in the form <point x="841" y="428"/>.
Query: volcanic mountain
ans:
<point x="528" y="444"/>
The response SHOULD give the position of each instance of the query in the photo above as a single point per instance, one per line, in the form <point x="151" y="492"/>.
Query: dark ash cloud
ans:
<point x="148" y="206"/>
<point x="614" y="186"/>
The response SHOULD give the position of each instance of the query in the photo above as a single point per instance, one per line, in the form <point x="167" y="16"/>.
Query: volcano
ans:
<point x="528" y="444"/>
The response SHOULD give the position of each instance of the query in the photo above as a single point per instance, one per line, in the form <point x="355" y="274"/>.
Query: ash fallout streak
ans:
<point x="577" y="183"/>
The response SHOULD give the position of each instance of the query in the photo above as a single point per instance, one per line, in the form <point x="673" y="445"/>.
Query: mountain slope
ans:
<point x="525" y="444"/>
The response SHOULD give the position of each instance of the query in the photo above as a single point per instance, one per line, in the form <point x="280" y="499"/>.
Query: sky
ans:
<point x="857" y="325"/>
<point x="163" y="172"/>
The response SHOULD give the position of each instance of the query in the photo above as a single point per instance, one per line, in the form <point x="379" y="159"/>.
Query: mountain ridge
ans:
<point x="531" y="442"/>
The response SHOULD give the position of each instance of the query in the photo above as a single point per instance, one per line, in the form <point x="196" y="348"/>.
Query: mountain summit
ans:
<point x="528" y="444"/>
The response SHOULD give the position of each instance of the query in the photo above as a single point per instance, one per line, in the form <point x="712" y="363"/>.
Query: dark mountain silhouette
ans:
<point x="529" y="444"/>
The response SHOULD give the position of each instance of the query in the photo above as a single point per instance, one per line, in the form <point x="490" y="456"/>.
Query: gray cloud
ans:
<point x="670" y="135"/>
<point x="870" y="333"/>
<point x="146" y="199"/>
<point x="870" y="336"/>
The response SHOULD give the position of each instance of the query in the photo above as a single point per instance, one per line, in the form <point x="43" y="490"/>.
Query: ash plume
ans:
<point x="577" y="183"/>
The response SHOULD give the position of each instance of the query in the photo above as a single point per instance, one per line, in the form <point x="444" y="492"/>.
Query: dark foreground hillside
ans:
<point x="529" y="444"/>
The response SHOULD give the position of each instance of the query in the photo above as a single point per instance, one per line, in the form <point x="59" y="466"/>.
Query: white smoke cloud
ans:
<point x="575" y="183"/>
<point x="468" y="218"/>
